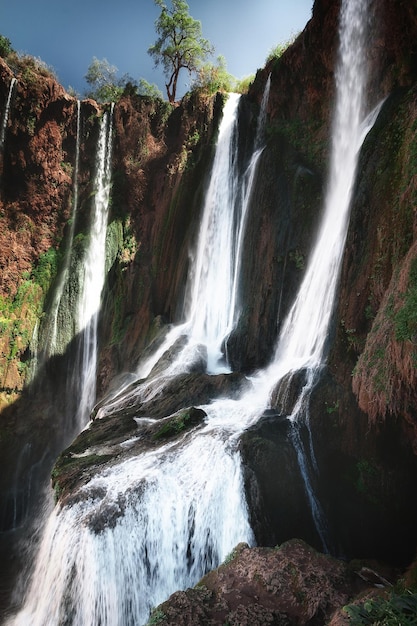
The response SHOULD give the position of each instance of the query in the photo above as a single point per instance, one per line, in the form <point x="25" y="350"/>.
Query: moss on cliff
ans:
<point x="19" y="318"/>
<point x="384" y="377"/>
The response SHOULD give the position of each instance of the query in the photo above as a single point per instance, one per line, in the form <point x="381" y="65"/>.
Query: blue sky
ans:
<point x="67" y="34"/>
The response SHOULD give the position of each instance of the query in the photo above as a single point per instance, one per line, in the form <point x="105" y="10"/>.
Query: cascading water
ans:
<point x="301" y="345"/>
<point x="247" y="186"/>
<point x="6" y="113"/>
<point x="212" y="300"/>
<point x="92" y="280"/>
<point x="212" y="267"/>
<point x="156" y="522"/>
<point x="203" y="516"/>
<point x="303" y="336"/>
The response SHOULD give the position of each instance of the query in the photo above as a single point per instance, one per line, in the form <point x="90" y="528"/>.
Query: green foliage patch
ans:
<point x="5" y="46"/>
<point x="174" y="426"/>
<point x="157" y="617"/>
<point x="394" y="610"/>
<point x="19" y="314"/>
<point x="405" y="320"/>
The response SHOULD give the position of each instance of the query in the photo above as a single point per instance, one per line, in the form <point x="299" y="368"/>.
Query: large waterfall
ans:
<point x="156" y="522"/>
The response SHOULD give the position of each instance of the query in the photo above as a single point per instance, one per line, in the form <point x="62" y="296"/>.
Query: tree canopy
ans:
<point x="102" y="78"/>
<point x="180" y="43"/>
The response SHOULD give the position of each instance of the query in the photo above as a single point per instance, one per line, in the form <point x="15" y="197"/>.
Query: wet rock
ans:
<point x="287" y="391"/>
<point x="196" y="358"/>
<point x="275" y="490"/>
<point x="289" y="585"/>
<point x="113" y="439"/>
<point x="165" y="395"/>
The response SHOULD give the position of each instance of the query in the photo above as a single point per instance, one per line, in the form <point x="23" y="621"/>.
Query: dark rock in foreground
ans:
<point x="292" y="584"/>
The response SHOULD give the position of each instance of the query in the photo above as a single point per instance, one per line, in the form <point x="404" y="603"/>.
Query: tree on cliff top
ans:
<point x="180" y="43"/>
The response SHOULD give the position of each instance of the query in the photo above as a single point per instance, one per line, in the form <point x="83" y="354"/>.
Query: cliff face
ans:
<point x="161" y="158"/>
<point x="363" y="414"/>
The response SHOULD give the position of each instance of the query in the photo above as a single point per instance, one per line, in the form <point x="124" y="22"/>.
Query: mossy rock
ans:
<point x="69" y="469"/>
<point x="178" y="423"/>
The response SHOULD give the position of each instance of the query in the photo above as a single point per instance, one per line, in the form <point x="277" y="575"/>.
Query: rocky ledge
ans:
<point x="284" y="586"/>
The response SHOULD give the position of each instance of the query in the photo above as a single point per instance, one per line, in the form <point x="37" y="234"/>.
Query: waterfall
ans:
<point x="6" y="113"/>
<point x="116" y="574"/>
<point x="303" y="336"/>
<point x="154" y="523"/>
<point x="170" y="519"/>
<point x="302" y="341"/>
<point x="216" y="267"/>
<point x="212" y="286"/>
<point x="247" y="184"/>
<point x="92" y="279"/>
<point x="213" y="264"/>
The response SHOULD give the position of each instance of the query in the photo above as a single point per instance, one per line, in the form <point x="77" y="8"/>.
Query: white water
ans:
<point x="115" y="575"/>
<point x="212" y="288"/>
<point x="302" y="341"/>
<point x="212" y="267"/>
<point x="6" y="113"/>
<point x="92" y="281"/>
<point x="175" y="512"/>
<point x="304" y="333"/>
<point x="247" y="184"/>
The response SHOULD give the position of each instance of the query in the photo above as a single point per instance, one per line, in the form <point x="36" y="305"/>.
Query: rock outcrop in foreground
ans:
<point x="290" y="585"/>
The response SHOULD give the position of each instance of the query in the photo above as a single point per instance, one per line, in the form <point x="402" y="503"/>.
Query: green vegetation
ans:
<point x="179" y="45"/>
<point x="46" y="269"/>
<point x="157" y="617"/>
<point x="405" y="320"/>
<point x="177" y="424"/>
<point x="102" y="77"/>
<point x="213" y="78"/>
<point x="278" y="50"/>
<point x="19" y="313"/>
<point x="297" y="257"/>
<point x="332" y="408"/>
<point x="394" y="610"/>
<point x="27" y="66"/>
<point x="5" y="46"/>
<point x="242" y="85"/>
<point x="366" y="472"/>
<point x="106" y="87"/>
<point x="149" y="89"/>
<point x="68" y="468"/>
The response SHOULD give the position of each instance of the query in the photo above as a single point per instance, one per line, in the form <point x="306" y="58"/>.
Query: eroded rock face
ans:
<point x="288" y="585"/>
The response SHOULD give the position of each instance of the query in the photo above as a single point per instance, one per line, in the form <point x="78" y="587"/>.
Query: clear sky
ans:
<point x="67" y="34"/>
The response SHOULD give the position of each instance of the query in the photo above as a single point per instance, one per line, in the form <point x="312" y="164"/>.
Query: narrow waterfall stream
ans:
<point x="213" y="265"/>
<point x="5" y="118"/>
<point x="93" y="277"/>
<point x="302" y="342"/>
<point x="156" y="522"/>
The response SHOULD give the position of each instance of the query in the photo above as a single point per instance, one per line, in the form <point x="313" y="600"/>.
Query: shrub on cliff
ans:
<point x="213" y="78"/>
<point x="5" y="46"/>
<point x="102" y="78"/>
